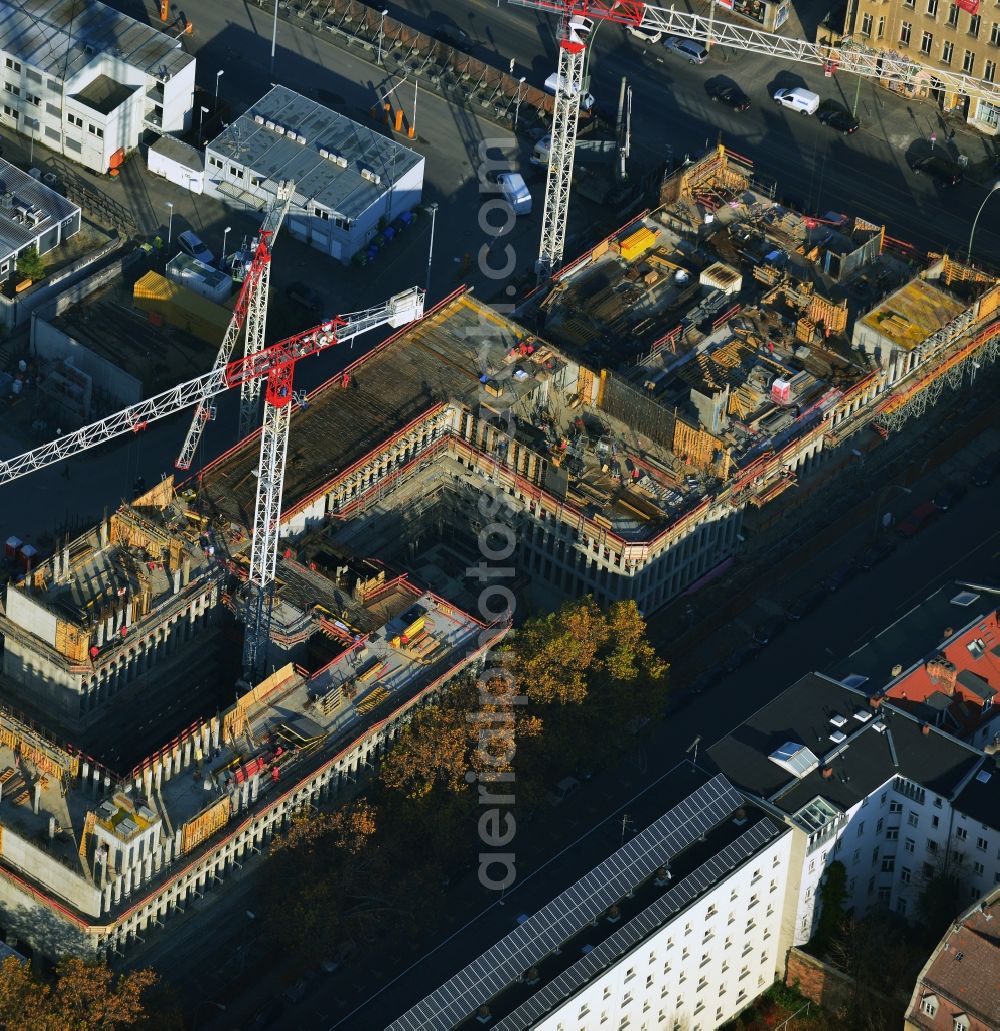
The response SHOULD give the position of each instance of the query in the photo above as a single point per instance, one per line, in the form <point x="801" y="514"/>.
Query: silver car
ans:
<point x="689" y="48"/>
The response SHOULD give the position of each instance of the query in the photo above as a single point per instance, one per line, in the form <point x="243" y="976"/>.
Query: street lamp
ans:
<point x="170" y="222"/>
<point x="274" y="36"/>
<point x="430" y="254"/>
<point x="517" y="109"/>
<point x="381" y="25"/>
<point x="881" y="498"/>
<point x="218" y="75"/>
<point x="993" y="189"/>
<point x="201" y="111"/>
<point x="225" y="234"/>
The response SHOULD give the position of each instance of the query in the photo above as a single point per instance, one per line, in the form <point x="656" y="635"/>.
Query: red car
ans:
<point x="918" y="519"/>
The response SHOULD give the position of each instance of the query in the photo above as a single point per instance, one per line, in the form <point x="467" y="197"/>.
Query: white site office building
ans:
<point x="350" y="180"/>
<point x="87" y="81"/>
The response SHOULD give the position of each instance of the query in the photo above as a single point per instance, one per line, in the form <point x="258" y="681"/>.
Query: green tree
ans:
<point x="30" y="264"/>
<point x="832" y="893"/>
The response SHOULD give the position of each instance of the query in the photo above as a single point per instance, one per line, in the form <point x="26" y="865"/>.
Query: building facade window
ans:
<point x="53" y="134"/>
<point x="932" y="8"/>
<point x="905" y="32"/>
<point x="947" y="50"/>
<point x="926" y="42"/>
<point x="881" y="27"/>
<point x="74" y="120"/>
<point x="969" y="62"/>
<point x="866" y="24"/>
<point x="12" y="89"/>
<point x="995" y="34"/>
<point x="14" y="66"/>
<point x="974" y="22"/>
<point x="953" y="15"/>
<point x="989" y="72"/>
<point x="10" y="112"/>
<point x="961" y="833"/>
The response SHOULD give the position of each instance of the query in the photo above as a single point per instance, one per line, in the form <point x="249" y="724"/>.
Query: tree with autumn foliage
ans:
<point x="84" y="997"/>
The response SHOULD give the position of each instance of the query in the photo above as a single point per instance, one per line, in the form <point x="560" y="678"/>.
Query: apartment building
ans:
<point x="681" y="927"/>
<point x="350" y="180"/>
<point x="87" y="81"/>
<point x="886" y="794"/>
<point x="955" y="37"/>
<point x="957" y="989"/>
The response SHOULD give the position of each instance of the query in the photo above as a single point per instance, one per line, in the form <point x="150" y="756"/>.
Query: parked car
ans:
<point x="741" y="656"/>
<point x="690" y="49"/>
<point x="939" y="167"/>
<point x="707" y="678"/>
<point x="920" y="517"/>
<point x="836" y="116"/>
<point x="453" y="36"/>
<point x="983" y="473"/>
<point x="769" y="630"/>
<point x="841" y="575"/>
<point x="948" y="495"/>
<point x="304" y="295"/>
<point x="566" y="788"/>
<point x="731" y="96"/>
<point x="798" y="99"/>
<point x="877" y="553"/>
<point x="191" y="244"/>
<point x="808" y="602"/>
<point x="646" y="34"/>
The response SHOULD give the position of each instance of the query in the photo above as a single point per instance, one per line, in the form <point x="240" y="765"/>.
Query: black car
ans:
<point x="453" y="36"/>
<point x="808" y="602"/>
<point x="742" y="656"/>
<point x="769" y="630"/>
<point x="840" y="576"/>
<point x="948" y="495"/>
<point x="731" y="96"/>
<point x="876" y="553"/>
<point x="706" y="679"/>
<point x="304" y="295"/>
<point x="939" y="167"/>
<point x="984" y="472"/>
<point x="836" y="116"/>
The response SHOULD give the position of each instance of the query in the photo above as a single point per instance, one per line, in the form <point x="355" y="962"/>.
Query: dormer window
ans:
<point x="929" y="1005"/>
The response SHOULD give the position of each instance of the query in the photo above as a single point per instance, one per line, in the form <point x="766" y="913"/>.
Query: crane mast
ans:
<point x="850" y="56"/>
<point x="251" y="309"/>
<point x="565" y="118"/>
<point x="276" y="365"/>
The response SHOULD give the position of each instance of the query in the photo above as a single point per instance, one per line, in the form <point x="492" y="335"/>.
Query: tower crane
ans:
<point x="251" y="309"/>
<point x="850" y="56"/>
<point x="275" y="365"/>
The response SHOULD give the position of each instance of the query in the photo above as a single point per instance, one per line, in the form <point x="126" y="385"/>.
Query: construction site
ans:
<point x="605" y="441"/>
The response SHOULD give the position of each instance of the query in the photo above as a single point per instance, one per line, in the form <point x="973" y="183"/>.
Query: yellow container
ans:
<point x="637" y="243"/>
<point x="181" y="308"/>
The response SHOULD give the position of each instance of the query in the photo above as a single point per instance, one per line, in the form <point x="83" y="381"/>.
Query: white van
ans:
<point x="798" y="99"/>
<point x="515" y="191"/>
<point x="552" y="84"/>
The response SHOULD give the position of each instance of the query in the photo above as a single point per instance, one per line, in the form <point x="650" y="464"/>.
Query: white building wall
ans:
<point x="702" y="968"/>
<point x="178" y="99"/>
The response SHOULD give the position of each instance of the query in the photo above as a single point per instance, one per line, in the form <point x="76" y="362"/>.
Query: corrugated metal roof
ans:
<point x="25" y="190"/>
<point x="317" y="179"/>
<point x="62" y="37"/>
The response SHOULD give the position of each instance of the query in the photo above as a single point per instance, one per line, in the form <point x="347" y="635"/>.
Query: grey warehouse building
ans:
<point x="349" y="179"/>
<point x="31" y="215"/>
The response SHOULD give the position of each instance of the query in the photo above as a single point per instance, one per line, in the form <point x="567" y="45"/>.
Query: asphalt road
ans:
<point x="964" y="542"/>
<point x="864" y="174"/>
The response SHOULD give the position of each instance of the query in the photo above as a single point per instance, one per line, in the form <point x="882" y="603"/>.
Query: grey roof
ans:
<point x="183" y="153"/>
<point x="28" y="191"/>
<point x="888" y="743"/>
<point x="103" y="94"/>
<point x="317" y="179"/>
<point x="61" y="37"/>
<point x="976" y="684"/>
<point x="980" y="798"/>
<point x="542" y="934"/>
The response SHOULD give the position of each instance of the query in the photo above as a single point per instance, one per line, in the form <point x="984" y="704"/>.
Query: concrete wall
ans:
<point x="178" y="100"/>
<point x="26" y="612"/>
<point x="53" y="344"/>
<point x="58" y="880"/>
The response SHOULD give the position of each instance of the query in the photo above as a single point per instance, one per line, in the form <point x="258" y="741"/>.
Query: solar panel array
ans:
<point x="541" y="934"/>
<point x="640" y="927"/>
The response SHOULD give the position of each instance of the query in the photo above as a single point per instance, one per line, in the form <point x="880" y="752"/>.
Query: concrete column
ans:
<point x="186" y="571"/>
<point x="177" y="842"/>
<point x="187" y="753"/>
<point x="158" y="774"/>
<point x="244" y="795"/>
<point x="116" y="890"/>
<point x="215" y="731"/>
<point x="147" y="865"/>
<point x="254" y="787"/>
<point x="128" y="881"/>
<point x="168" y="767"/>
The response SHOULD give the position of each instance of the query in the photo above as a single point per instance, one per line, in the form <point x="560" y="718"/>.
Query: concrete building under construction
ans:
<point x="679" y="372"/>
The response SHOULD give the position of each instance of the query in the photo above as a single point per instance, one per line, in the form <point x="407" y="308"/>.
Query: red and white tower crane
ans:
<point x="849" y="56"/>
<point x="275" y="365"/>
<point x="250" y="309"/>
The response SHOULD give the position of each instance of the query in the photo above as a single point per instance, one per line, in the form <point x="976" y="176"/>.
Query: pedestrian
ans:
<point x="512" y="66"/>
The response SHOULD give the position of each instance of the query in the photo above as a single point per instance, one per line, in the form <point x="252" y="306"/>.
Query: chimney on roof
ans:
<point x="943" y="673"/>
<point x="827" y="772"/>
<point x="948" y="631"/>
<point x="896" y="670"/>
<point x="925" y="728"/>
<point x="875" y="702"/>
